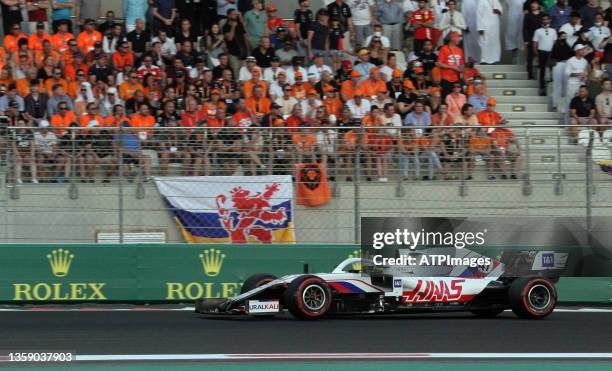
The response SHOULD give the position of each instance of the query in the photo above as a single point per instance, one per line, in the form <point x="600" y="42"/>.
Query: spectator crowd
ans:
<point x="192" y="81"/>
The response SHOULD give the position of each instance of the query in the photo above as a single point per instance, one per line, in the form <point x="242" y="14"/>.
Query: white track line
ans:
<point x="192" y="309"/>
<point x="215" y="357"/>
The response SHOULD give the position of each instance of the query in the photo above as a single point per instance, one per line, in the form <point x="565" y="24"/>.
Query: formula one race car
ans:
<point x="485" y="293"/>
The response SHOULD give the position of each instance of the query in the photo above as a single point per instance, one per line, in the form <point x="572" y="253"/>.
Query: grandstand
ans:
<point x="555" y="177"/>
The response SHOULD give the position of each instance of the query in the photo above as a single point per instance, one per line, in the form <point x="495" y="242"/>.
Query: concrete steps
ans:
<point x="501" y="68"/>
<point x="504" y="90"/>
<point x="505" y="75"/>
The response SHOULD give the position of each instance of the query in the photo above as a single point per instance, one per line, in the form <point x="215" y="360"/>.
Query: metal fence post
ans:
<point x="356" y="173"/>
<point x="463" y="188"/>
<point x="120" y="201"/>
<point x="399" y="189"/>
<point x="589" y="186"/>
<point x="558" y="182"/>
<point x="73" y="191"/>
<point x="527" y="187"/>
<point x="14" y="189"/>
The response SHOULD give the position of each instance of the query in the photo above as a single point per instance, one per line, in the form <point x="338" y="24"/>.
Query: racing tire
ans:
<point x="487" y="313"/>
<point x="532" y="297"/>
<point x="256" y="280"/>
<point x="308" y="297"/>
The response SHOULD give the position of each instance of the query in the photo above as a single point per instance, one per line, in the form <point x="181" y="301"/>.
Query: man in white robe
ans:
<point x="488" y="14"/>
<point x="514" y="25"/>
<point x="470" y="37"/>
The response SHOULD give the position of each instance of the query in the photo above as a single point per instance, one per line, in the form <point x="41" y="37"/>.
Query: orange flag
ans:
<point x="312" y="186"/>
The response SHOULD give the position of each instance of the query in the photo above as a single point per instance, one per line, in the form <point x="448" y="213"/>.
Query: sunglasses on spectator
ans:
<point x="63" y="108"/>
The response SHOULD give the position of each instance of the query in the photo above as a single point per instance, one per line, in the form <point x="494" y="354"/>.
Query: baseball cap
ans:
<point x="250" y="58"/>
<point x="312" y="92"/>
<point x="408" y="84"/>
<point x="579" y="47"/>
<point x="332" y="118"/>
<point x="43" y="124"/>
<point x="346" y="64"/>
<point x="491" y="101"/>
<point x="282" y="73"/>
<point x="397" y="72"/>
<point x="112" y="90"/>
<point x="276" y="106"/>
<point x="280" y="29"/>
<point x="40" y="25"/>
<point x="276" y="58"/>
<point x="363" y="51"/>
<point x="271" y="8"/>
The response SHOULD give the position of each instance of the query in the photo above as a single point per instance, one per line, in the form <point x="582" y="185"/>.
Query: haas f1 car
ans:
<point x="483" y="292"/>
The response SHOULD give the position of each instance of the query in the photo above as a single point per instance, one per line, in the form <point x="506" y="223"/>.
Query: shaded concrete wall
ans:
<point x="45" y="213"/>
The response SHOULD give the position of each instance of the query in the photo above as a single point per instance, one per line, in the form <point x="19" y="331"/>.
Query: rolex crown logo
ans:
<point x="356" y="254"/>
<point x="212" y="260"/>
<point x="60" y="260"/>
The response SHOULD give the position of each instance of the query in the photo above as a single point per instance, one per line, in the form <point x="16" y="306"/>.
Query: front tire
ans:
<point x="532" y="297"/>
<point x="255" y="281"/>
<point x="308" y="297"/>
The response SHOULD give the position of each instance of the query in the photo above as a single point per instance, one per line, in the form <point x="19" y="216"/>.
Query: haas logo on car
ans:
<point x="250" y="214"/>
<point x="435" y="291"/>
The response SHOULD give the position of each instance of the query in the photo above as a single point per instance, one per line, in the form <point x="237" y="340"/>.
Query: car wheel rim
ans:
<point x="539" y="297"/>
<point x="314" y="298"/>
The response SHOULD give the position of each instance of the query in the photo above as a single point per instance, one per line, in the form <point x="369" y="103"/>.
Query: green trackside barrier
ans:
<point x="181" y="272"/>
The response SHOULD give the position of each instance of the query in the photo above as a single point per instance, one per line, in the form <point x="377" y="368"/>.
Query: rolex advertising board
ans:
<point x="97" y="273"/>
<point x="181" y="273"/>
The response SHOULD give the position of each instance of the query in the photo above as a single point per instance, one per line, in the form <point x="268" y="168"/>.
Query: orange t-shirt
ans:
<point x="347" y="89"/>
<point x="502" y="137"/>
<point x="119" y="61"/>
<point x="480" y="143"/>
<point x="127" y="90"/>
<point x="370" y="88"/>
<point x="50" y="82"/>
<point x="258" y="106"/>
<point x="452" y="56"/>
<point x="140" y="121"/>
<point x="250" y="84"/>
<point x="87" y="40"/>
<point x="305" y="142"/>
<point x="85" y="119"/>
<point x="114" y="122"/>
<point x="487" y="118"/>
<point x="36" y="43"/>
<point x="299" y="91"/>
<point x="436" y="120"/>
<point x="40" y="56"/>
<point x="60" y="42"/>
<point x="59" y="121"/>
<point x="334" y="106"/>
<point x="210" y="110"/>
<point x="11" y="42"/>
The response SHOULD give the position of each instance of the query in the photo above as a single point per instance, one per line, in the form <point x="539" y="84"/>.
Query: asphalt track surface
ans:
<point x="183" y="332"/>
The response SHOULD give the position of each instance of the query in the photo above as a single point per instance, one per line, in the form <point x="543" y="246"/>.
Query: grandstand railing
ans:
<point x="97" y="179"/>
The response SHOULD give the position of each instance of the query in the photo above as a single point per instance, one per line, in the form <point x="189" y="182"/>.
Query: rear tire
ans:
<point x="532" y="297"/>
<point x="487" y="313"/>
<point x="255" y="281"/>
<point x="308" y="297"/>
